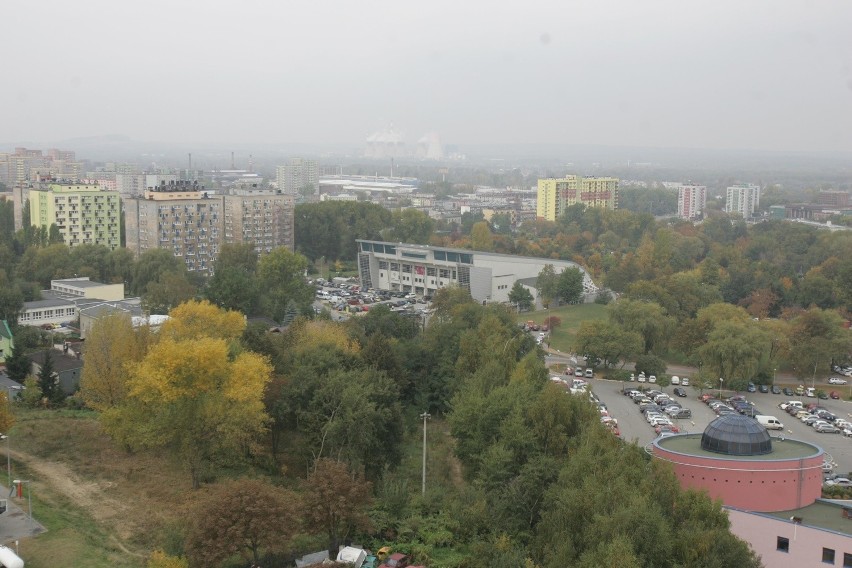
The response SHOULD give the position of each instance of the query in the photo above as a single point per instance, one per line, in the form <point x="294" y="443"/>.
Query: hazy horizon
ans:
<point x="765" y="75"/>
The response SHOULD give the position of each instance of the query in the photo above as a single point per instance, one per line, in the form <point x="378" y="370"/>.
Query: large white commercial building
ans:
<point x="425" y="269"/>
<point x="691" y="201"/>
<point x="743" y="199"/>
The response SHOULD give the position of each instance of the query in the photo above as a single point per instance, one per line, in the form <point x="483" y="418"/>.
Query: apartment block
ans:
<point x="180" y="217"/>
<point x="555" y="195"/>
<point x="296" y="174"/>
<point x="262" y="217"/>
<point x="691" y="201"/>
<point x="194" y="223"/>
<point x="743" y="199"/>
<point x="84" y="214"/>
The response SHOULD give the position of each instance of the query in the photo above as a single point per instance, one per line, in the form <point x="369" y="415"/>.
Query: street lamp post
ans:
<point x="774" y="372"/>
<point x="721" y="380"/>
<point x="425" y="416"/>
<point x="8" y="457"/>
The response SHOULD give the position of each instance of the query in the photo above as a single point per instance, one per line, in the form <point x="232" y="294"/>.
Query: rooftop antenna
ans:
<point x="189" y="170"/>
<point x="233" y="167"/>
<point x="251" y="163"/>
<point x="391" y="167"/>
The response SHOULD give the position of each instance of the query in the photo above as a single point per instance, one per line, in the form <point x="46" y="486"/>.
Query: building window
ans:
<point x="383" y="265"/>
<point x="828" y="555"/>
<point x="394" y="266"/>
<point x="847" y="560"/>
<point x="430" y="272"/>
<point x="783" y="544"/>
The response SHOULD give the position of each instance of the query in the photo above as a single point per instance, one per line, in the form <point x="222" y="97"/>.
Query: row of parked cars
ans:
<point x="820" y="419"/>
<point x="659" y="409"/>
<point x="845" y="370"/>
<point x="731" y="405"/>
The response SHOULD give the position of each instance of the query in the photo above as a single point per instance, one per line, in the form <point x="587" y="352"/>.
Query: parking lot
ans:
<point x="633" y="426"/>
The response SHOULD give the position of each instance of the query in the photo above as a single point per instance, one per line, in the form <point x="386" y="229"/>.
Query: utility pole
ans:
<point x="425" y="416"/>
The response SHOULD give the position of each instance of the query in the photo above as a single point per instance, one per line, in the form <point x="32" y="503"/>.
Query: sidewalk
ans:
<point x="15" y="523"/>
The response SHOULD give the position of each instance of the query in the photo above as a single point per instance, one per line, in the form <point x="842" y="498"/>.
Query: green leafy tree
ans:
<point x="171" y="289"/>
<point x="734" y="350"/>
<point x="569" y="288"/>
<point x="521" y="297"/>
<point x="11" y="303"/>
<point x="607" y="341"/>
<point x="280" y="275"/>
<point x="151" y="264"/>
<point x="410" y="226"/>
<point x="816" y="338"/>
<point x="547" y="284"/>
<point x="233" y="286"/>
<point x="648" y="319"/>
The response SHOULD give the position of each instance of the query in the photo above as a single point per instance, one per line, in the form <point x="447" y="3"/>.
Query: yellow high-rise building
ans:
<point x="84" y="213"/>
<point x="555" y="195"/>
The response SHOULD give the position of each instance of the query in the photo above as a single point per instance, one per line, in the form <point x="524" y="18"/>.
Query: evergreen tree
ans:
<point x="18" y="364"/>
<point x="47" y="380"/>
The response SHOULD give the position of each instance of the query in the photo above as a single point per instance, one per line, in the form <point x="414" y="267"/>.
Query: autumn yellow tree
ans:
<point x="195" y="319"/>
<point x="192" y="395"/>
<point x="111" y="344"/>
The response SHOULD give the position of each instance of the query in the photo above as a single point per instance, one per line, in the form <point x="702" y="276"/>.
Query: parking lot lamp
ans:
<point x="425" y="416"/>
<point x="8" y="457"/>
<point x="721" y="380"/>
<point x="774" y="372"/>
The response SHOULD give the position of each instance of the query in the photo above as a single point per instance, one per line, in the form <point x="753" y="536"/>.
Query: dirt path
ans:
<point x="87" y="495"/>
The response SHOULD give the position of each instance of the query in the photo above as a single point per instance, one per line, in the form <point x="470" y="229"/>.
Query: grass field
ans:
<point x="572" y="316"/>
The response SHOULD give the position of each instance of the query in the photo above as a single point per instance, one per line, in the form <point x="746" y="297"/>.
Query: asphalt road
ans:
<point x="634" y="427"/>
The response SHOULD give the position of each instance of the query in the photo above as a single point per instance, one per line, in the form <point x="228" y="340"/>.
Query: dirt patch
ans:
<point x="86" y="494"/>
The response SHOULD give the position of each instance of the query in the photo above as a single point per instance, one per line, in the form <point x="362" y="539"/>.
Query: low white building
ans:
<point x="424" y="269"/>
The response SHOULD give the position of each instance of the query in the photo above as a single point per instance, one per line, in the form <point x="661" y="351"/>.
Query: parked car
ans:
<point x="684" y="381"/>
<point x="751" y="388"/>
<point x="675" y="380"/>
<point x="839" y="482"/>
<point x="837" y="381"/>
<point x="680" y="391"/>
<point x="776" y="390"/>
<point x="826" y="429"/>
<point x="788" y="391"/>
<point x="763" y="388"/>
<point x="834" y="394"/>
<point x="652" y="379"/>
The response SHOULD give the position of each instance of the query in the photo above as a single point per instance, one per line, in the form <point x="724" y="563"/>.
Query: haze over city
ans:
<point x="767" y="75"/>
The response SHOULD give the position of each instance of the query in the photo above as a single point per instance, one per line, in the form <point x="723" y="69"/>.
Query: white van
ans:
<point x="676" y="380"/>
<point x="769" y="422"/>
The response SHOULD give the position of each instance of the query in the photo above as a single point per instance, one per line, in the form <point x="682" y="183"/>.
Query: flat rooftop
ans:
<point x="782" y="449"/>
<point x="826" y="514"/>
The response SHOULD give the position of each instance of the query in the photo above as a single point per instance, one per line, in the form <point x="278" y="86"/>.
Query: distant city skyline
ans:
<point x="764" y="75"/>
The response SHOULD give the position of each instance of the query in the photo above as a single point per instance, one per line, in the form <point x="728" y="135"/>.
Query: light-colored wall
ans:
<point x="806" y="543"/>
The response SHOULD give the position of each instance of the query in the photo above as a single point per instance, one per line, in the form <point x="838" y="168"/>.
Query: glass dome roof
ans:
<point x="736" y="435"/>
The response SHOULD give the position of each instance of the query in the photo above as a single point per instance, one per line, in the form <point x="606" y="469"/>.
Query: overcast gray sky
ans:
<point x="764" y="74"/>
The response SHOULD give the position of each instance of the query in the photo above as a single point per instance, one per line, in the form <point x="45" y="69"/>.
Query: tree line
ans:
<point x="321" y="416"/>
